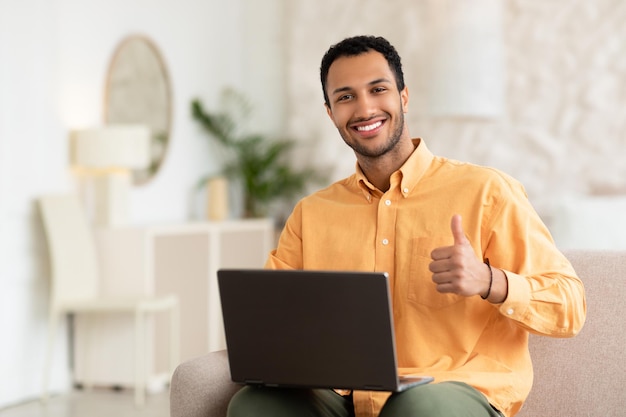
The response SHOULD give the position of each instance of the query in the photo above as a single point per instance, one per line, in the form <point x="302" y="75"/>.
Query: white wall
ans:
<point x="30" y="162"/>
<point x="53" y="60"/>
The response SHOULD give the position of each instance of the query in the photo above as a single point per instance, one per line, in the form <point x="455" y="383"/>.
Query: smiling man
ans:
<point x="472" y="267"/>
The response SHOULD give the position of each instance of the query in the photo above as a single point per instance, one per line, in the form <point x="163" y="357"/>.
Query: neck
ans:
<point x="378" y="170"/>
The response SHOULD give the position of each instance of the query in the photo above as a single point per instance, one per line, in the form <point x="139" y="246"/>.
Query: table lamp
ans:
<point x="105" y="156"/>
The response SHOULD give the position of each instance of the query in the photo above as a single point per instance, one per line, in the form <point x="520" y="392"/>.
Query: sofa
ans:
<point x="582" y="376"/>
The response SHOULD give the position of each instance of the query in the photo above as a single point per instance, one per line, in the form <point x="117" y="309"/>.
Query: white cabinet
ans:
<point x="180" y="259"/>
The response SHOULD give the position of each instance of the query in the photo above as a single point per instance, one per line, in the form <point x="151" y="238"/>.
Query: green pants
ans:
<point x="446" y="399"/>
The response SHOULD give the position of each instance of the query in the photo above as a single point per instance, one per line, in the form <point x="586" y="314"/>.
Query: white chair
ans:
<point x="75" y="286"/>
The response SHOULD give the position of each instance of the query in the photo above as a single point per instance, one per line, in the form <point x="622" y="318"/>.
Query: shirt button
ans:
<point x="388" y="202"/>
<point x="385" y="242"/>
<point x="510" y="311"/>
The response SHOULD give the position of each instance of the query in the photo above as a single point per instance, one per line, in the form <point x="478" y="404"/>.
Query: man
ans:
<point x="472" y="268"/>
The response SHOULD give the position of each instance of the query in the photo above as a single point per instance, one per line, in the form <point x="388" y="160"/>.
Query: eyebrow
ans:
<point x="373" y="82"/>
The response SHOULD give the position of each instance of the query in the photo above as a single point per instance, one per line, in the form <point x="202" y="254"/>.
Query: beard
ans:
<point x="388" y="146"/>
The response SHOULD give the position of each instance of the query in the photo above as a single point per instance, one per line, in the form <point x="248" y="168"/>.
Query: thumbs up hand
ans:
<point x="456" y="269"/>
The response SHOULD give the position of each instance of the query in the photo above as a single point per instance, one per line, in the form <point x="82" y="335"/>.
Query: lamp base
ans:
<point x="111" y="198"/>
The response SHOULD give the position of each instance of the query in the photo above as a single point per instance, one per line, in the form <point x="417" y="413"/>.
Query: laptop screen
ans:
<point x="309" y="328"/>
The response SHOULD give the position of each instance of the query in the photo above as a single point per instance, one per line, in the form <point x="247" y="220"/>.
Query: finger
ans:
<point x="438" y="265"/>
<point x="443" y="252"/>
<point x="443" y="277"/>
<point x="457" y="230"/>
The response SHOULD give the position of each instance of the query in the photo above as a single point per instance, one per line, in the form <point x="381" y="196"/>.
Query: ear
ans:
<point x="404" y="99"/>
<point x="329" y="112"/>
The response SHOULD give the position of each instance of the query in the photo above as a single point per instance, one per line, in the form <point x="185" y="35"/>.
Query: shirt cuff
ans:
<point x="518" y="297"/>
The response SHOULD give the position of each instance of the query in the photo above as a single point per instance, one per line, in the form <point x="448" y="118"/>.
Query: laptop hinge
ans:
<point x="253" y="381"/>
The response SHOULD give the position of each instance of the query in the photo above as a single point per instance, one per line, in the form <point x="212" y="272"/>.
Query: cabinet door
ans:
<point x="186" y="263"/>
<point x="181" y="266"/>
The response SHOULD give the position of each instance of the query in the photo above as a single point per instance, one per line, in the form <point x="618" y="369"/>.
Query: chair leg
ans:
<point x="53" y="324"/>
<point x="140" y="358"/>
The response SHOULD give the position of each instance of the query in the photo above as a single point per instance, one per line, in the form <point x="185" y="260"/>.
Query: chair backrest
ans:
<point x="73" y="258"/>
<point x="585" y="375"/>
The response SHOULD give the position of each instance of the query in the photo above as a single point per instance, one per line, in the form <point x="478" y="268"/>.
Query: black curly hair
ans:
<point x="358" y="45"/>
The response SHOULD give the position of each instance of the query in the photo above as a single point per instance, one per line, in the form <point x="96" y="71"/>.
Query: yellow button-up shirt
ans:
<point x="351" y="225"/>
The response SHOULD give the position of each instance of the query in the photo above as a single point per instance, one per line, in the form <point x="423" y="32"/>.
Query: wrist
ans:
<point x="488" y="292"/>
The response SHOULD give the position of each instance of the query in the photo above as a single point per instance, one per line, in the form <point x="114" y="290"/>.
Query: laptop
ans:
<point x="314" y="329"/>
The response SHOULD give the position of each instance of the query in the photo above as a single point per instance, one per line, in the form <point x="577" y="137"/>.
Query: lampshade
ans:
<point x="112" y="146"/>
<point x="105" y="156"/>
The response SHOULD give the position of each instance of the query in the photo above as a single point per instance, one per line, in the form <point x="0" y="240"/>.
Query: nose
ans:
<point x="365" y="107"/>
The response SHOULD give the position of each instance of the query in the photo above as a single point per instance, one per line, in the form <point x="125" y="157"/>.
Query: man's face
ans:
<point x="365" y="104"/>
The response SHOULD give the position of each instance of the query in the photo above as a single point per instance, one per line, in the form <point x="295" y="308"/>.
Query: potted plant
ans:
<point x="260" y="163"/>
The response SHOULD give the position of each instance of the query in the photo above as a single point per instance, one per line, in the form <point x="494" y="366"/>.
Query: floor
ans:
<point x="93" y="403"/>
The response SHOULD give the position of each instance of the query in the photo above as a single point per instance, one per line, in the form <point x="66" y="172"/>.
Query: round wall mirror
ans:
<point x="138" y="91"/>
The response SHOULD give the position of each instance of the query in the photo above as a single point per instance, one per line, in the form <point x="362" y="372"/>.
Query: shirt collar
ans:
<point x="409" y="173"/>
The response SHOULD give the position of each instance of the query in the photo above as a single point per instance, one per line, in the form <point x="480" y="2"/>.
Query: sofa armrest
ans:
<point x="202" y="387"/>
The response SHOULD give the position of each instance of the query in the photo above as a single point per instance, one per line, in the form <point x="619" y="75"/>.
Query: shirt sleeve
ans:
<point x="288" y="254"/>
<point x="545" y="295"/>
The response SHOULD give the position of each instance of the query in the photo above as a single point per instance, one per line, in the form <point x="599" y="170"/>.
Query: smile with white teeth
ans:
<point x="369" y="127"/>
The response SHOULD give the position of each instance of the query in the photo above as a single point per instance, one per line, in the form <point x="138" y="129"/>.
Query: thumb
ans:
<point x="457" y="230"/>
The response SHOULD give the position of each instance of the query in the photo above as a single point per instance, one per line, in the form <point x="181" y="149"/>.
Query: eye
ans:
<point x="344" y="97"/>
<point x="379" y="89"/>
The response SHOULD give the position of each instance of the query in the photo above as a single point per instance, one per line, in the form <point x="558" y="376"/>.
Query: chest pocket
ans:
<point x="421" y="289"/>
